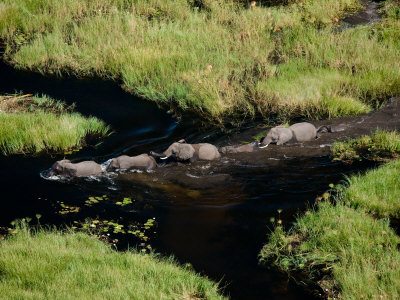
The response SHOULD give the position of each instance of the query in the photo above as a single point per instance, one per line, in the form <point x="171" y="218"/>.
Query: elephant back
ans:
<point x="303" y="132"/>
<point x="207" y="151"/>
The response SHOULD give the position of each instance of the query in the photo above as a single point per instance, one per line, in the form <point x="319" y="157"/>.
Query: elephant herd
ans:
<point x="182" y="151"/>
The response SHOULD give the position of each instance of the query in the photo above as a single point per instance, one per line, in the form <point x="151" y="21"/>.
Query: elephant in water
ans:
<point x="299" y="132"/>
<point x="124" y="162"/>
<point x="238" y="149"/>
<point x="65" y="168"/>
<point x="183" y="151"/>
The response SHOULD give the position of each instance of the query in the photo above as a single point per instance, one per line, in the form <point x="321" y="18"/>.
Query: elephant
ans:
<point x="331" y="128"/>
<point x="238" y="149"/>
<point x="65" y="168"/>
<point x="124" y="162"/>
<point x="299" y="132"/>
<point x="182" y="151"/>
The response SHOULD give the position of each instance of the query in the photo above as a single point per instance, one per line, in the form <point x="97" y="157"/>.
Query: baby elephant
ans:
<point x="238" y="149"/>
<point x="183" y="151"/>
<point x="299" y="132"/>
<point x="65" y="168"/>
<point x="140" y="162"/>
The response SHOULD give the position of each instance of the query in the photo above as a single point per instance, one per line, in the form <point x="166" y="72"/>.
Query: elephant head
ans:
<point x="179" y="150"/>
<point x="58" y="168"/>
<point x="277" y="135"/>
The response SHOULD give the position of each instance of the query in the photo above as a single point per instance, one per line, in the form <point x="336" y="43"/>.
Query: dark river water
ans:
<point x="214" y="216"/>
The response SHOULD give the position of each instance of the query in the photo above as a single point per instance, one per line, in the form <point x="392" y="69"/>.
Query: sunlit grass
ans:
<point x="220" y="60"/>
<point x="30" y="124"/>
<point x="377" y="192"/>
<point x="359" y="252"/>
<point x="53" y="265"/>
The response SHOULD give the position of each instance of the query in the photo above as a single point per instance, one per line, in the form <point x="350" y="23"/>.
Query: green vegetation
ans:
<point x="356" y="251"/>
<point x="34" y="124"/>
<point x="221" y="59"/>
<point x="53" y="265"/>
<point x="377" y="192"/>
<point x="379" y="145"/>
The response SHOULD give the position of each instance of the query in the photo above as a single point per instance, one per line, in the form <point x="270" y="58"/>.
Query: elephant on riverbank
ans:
<point x="140" y="162"/>
<point x="238" y="149"/>
<point x="65" y="168"/>
<point x="299" y="132"/>
<point x="182" y="151"/>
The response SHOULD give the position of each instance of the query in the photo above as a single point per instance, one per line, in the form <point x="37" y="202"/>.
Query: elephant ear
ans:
<point x="185" y="152"/>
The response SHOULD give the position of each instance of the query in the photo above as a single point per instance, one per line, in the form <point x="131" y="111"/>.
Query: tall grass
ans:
<point x="35" y="132"/>
<point x="358" y="252"/>
<point x="216" y="58"/>
<point x="40" y="123"/>
<point x="53" y="265"/>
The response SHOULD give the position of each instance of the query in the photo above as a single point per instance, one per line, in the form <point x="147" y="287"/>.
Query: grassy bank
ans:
<point x="380" y="145"/>
<point x="53" y="265"/>
<point x="34" y="124"/>
<point x="347" y="248"/>
<point x="377" y="192"/>
<point x="349" y="254"/>
<point x="217" y="58"/>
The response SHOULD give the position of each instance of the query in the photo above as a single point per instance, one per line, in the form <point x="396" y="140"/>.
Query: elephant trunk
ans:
<point x="50" y="173"/>
<point x="158" y="155"/>
<point x="265" y="142"/>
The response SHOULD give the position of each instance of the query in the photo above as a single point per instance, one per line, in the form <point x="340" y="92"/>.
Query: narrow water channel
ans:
<point x="214" y="216"/>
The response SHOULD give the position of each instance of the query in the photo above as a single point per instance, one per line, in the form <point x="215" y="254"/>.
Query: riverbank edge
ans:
<point x="49" y="263"/>
<point x="314" y="257"/>
<point x="34" y="124"/>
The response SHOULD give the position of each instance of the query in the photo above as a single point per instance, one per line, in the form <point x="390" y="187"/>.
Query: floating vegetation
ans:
<point x="67" y="209"/>
<point x="108" y="231"/>
<point x="93" y="200"/>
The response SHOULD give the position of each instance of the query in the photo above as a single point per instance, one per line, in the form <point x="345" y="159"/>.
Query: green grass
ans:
<point x="35" y="124"/>
<point x="358" y="252"/>
<point x="377" y="192"/>
<point x="222" y="61"/>
<point x="379" y="145"/>
<point x="53" y="265"/>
